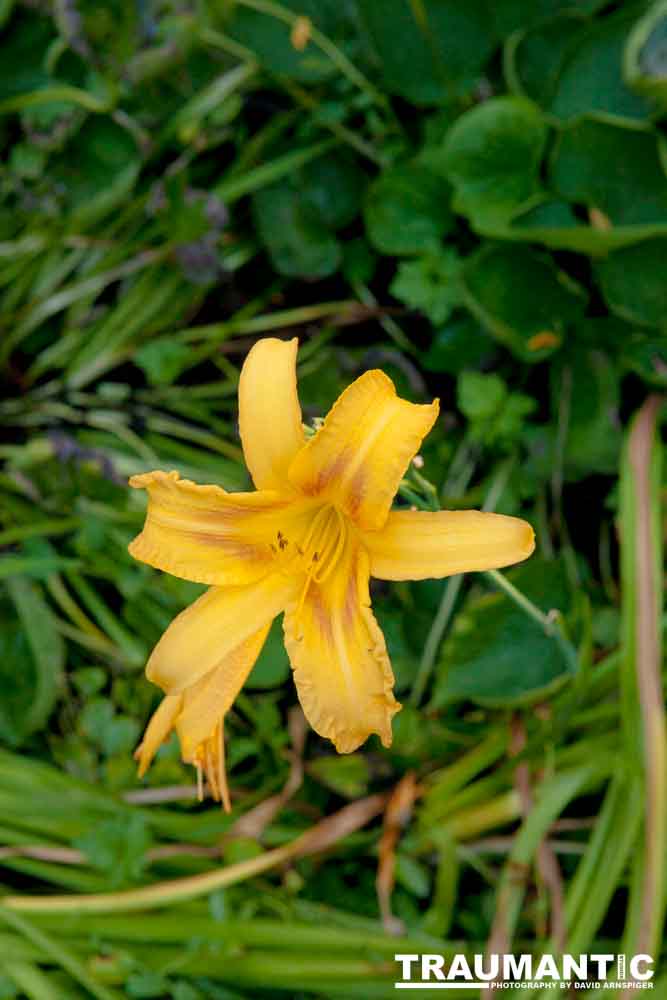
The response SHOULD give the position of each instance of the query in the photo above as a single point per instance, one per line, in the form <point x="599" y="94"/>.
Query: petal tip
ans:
<point x="143" y="761"/>
<point x="528" y="539"/>
<point x="143" y="480"/>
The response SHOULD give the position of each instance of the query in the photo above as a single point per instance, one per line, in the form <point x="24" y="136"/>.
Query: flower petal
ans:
<point x="210" y="629"/>
<point x="415" y="545"/>
<point x="339" y="658"/>
<point x="206" y="703"/>
<point x="205" y="534"/>
<point x="269" y="411"/>
<point x="359" y="455"/>
<point x="160" y="725"/>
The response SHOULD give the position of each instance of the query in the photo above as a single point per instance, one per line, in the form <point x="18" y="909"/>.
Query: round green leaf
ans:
<point x="428" y="49"/>
<point x="517" y="15"/>
<point x="269" y="39"/>
<point x="22" y="53"/>
<point x="522" y="299"/>
<point x="461" y="344"/>
<point x="492" y="155"/>
<point x="554" y="224"/>
<point x="534" y="57"/>
<point x="591" y="75"/>
<point x="495" y="654"/>
<point x="332" y="186"/>
<point x="430" y="283"/>
<point x="633" y="282"/>
<point x="97" y="169"/>
<point x="407" y="210"/>
<point x="613" y="168"/>
<point x="299" y="245"/>
<point x="593" y="434"/>
<point x="359" y="261"/>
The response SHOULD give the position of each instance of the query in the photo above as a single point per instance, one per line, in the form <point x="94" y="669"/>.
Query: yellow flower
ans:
<point x="306" y="542"/>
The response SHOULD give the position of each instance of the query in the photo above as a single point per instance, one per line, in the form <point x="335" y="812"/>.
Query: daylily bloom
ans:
<point x="305" y="543"/>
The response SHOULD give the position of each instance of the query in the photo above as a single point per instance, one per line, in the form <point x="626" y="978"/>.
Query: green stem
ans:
<point x="313" y="840"/>
<point x="231" y="188"/>
<point x="434" y="637"/>
<point x="337" y="57"/>
<point x="59" y="954"/>
<point x="33" y="983"/>
<point x="532" y="610"/>
<point x="162" y="894"/>
<point x="453" y="586"/>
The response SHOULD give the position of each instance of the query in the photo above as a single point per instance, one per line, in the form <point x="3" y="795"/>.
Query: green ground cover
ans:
<point x="472" y="197"/>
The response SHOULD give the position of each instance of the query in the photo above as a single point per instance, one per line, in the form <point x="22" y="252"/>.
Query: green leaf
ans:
<point x="33" y="658"/>
<point x="163" y="360"/>
<point x="593" y="436"/>
<point x="22" y="51"/>
<point x="430" y="283"/>
<point x="272" y="667"/>
<point x="332" y="186"/>
<point x="299" y="245"/>
<point x="534" y="57"/>
<point x="633" y="282"/>
<point x="492" y="156"/>
<point x="461" y="344"/>
<point x="407" y="210"/>
<point x="146" y="985"/>
<point x="514" y="15"/>
<point x="495" y="654"/>
<point x="117" y="847"/>
<point x="590" y="77"/>
<point x="112" y="733"/>
<point x="359" y="261"/>
<point x="646" y="356"/>
<point x="480" y="396"/>
<point x="414" y="876"/>
<point x="269" y="38"/>
<point x="522" y="299"/>
<point x="8" y="991"/>
<point x="495" y="414"/>
<point x="348" y="775"/>
<point x="99" y="172"/>
<point x="89" y="680"/>
<point x="554" y="224"/>
<point x="631" y="188"/>
<point x="429" y="48"/>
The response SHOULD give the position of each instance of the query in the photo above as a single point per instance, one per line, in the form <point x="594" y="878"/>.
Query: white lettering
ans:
<point x="406" y="961"/>
<point x="603" y="963"/>
<point x="547" y="968"/>
<point x="483" y="974"/>
<point x="572" y="967"/>
<point x="523" y="969"/>
<point x="458" y="968"/>
<point x="433" y="965"/>
<point x="635" y="972"/>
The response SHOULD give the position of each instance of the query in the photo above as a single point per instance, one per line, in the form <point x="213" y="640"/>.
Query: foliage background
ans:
<point x="471" y="196"/>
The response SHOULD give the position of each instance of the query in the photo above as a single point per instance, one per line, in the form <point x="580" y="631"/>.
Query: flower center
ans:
<point x="323" y="544"/>
<point x="316" y="549"/>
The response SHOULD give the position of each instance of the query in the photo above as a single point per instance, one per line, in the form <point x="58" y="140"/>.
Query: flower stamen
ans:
<point x="321" y="549"/>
